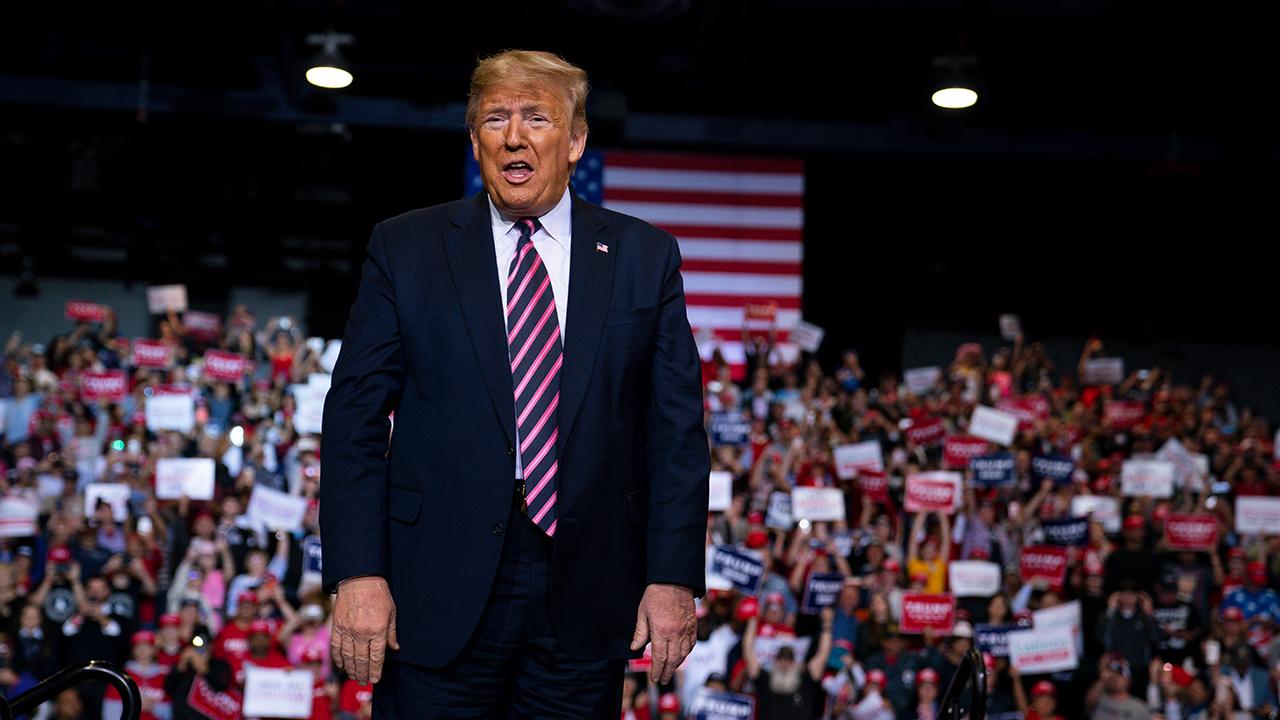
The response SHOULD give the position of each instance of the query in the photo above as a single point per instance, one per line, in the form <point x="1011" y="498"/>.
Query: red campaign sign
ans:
<point x="1044" y="562"/>
<point x="1184" y="531"/>
<point x="87" y="311"/>
<point x="223" y="366"/>
<point x="932" y="491"/>
<point x="1123" y="414"/>
<point x="926" y="432"/>
<point x="642" y="663"/>
<point x="760" y="311"/>
<point x="1028" y="409"/>
<point x="173" y="390"/>
<point x="927" y="610"/>
<point x="874" y="485"/>
<point x="213" y="704"/>
<point x="110" y="386"/>
<point x="202" y="325"/>
<point x="152" y="353"/>
<point x="958" y="450"/>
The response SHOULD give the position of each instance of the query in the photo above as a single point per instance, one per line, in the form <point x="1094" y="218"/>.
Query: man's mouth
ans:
<point x="517" y="172"/>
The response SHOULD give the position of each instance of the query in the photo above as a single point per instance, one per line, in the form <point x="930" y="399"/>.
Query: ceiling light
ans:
<point x="328" y="69"/>
<point x="955" y="88"/>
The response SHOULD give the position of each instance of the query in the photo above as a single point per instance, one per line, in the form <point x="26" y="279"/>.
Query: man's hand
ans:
<point x="364" y="625"/>
<point x="666" y="618"/>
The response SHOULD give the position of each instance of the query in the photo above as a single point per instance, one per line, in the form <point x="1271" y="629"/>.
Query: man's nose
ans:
<point x="514" y="137"/>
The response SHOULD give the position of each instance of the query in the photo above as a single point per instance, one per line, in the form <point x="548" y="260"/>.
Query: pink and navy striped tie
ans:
<point x="533" y="340"/>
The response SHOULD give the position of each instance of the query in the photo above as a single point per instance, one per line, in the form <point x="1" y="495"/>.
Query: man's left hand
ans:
<point x="666" y="618"/>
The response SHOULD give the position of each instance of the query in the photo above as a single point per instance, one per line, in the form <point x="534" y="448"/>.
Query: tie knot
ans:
<point x="528" y="226"/>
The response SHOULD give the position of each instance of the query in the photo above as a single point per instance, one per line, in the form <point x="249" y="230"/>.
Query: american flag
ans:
<point x="739" y="221"/>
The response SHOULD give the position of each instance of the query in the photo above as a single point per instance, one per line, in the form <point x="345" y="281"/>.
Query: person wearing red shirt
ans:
<point x="1044" y="701"/>
<point x="169" y="642"/>
<point x="356" y="700"/>
<point x="232" y="643"/>
<point x="149" y="675"/>
<point x="322" y="691"/>
<point x="264" y="651"/>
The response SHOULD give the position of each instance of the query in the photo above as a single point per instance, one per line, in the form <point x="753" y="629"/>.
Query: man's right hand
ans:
<point x="364" y="625"/>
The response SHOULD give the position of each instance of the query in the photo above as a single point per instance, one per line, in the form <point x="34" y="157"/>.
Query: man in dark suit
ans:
<point x="539" y="512"/>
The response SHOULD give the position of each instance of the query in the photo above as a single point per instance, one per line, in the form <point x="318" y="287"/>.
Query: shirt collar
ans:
<point x="557" y="222"/>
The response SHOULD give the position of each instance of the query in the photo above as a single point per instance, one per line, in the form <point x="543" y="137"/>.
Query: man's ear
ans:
<point x="577" y="145"/>
<point x="475" y="145"/>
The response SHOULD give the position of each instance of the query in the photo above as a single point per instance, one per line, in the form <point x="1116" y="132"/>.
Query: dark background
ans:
<point x="1115" y="177"/>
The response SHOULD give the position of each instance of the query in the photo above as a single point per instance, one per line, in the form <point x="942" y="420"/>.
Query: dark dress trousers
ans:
<point x="431" y="510"/>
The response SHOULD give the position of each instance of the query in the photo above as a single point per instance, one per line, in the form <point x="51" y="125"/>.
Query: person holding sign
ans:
<point x="539" y="514"/>
<point x="928" y="555"/>
<point x="786" y="692"/>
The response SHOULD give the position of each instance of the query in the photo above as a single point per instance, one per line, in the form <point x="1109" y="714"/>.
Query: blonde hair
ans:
<point x="530" y="68"/>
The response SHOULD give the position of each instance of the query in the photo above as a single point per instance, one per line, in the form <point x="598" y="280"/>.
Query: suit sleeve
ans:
<point x="677" y="452"/>
<point x="366" y="385"/>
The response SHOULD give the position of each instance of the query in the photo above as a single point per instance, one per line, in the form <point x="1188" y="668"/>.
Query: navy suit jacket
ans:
<point x="426" y="337"/>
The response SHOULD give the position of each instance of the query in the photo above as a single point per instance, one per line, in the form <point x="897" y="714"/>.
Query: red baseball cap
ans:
<point x="927" y="675"/>
<point x="1232" y="614"/>
<point x="168" y="619"/>
<point x="1134" y="521"/>
<point x="247" y="596"/>
<point x="757" y="539"/>
<point x="1257" y="572"/>
<point x="892" y="565"/>
<point x="755" y="517"/>
<point x="259" y="626"/>
<point x="877" y="677"/>
<point x="1236" y="552"/>
<point x="1044" y="687"/>
<point x="144" y="636"/>
<point x="59" y="554"/>
<point x="1181" y="677"/>
<point x="312" y="655"/>
<point x="747" y="609"/>
<point x="668" y="702"/>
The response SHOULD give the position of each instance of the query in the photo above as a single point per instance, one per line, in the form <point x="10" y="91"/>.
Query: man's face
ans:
<point x="524" y="143"/>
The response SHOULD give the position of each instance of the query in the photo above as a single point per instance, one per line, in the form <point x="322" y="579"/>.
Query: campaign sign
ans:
<point x="933" y="491"/>
<point x="1123" y="414"/>
<point x="1067" y="615"/>
<point x="807" y="335"/>
<point x="926" y="432"/>
<point x="1029" y="409"/>
<point x="277" y="693"/>
<point x="1102" y="508"/>
<point x="1038" y="650"/>
<point x="767" y="648"/>
<point x="994" y="425"/>
<point x="922" y="380"/>
<point x="202" y="325"/>
<point x="1044" y="563"/>
<point x="720" y="493"/>
<point x="163" y="298"/>
<point x="994" y="470"/>
<point x="1103" y="371"/>
<point x="276" y="510"/>
<point x="812" y="503"/>
<point x="310" y="397"/>
<point x="858" y="456"/>
<point x="1258" y="515"/>
<point x="1055" y="466"/>
<point x="84" y="311"/>
<point x="729" y="428"/>
<point x="170" y="412"/>
<point x="114" y="494"/>
<point x="927" y="610"/>
<point x="642" y="663"/>
<point x="1147" y="478"/>
<point x="959" y="450"/>
<point x="151" y="353"/>
<point x="1010" y="326"/>
<point x="18" y="516"/>
<point x="743" y="568"/>
<point x="821" y="591"/>
<point x="223" y="366"/>
<point x="192" y="477"/>
<point x="778" y="516"/>
<point x="715" y="705"/>
<point x="760" y="311"/>
<point x="1188" y="470"/>
<point x="994" y="639"/>
<point x="1067" y="532"/>
<point x="1191" y="531"/>
<point x="973" y="578"/>
<point x="874" y="486"/>
<point x="110" y="385"/>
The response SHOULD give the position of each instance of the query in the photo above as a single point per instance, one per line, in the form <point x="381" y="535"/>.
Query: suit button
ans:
<point x="511" y="452"/>
<point x="497" y="528"/>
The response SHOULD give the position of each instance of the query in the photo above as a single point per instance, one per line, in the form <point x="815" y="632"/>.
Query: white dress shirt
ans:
<point x="552" y="243"/>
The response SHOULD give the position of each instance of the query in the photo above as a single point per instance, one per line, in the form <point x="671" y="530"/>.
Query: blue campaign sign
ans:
<point x="993" y="470"/>
<point x="729" y="428"/>
<point x="821" y="591"/>
<point x="1066" y="532"/>
<point x="311" y="553"/>
<point x="742" y="569"/>
<point x="1055" y="466"/>
<point x="994" y="639"/>
<point x="712" y="705"/>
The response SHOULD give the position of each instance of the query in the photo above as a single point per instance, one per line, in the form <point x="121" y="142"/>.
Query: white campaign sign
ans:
<point x="272" y="692"/>
<point x="994" y="425"/>
<point x="1104" y="508"/>
<point x="1147" y="478"/>
<point x="1043" y="651"/>
<point x="974" y="578"/>
<point x="922" y="379"/>
<point x="1257" y="515"/>
<point x="721" y="492"/>
<point x="1066" y="615"/>
<point x="767" y="648"/>
<point x="807" y="335"/>
<point x="1104" y="371"/>
<point x="18" y="517"/>
<point x="1010" y="326"/>
<point x="276" y="510"/>
<point x="163" y="298"/>
<point x="779" y="515"/>
<point x="858" y="456"/>
<point x="310" y="405"/>
<point x="170" y="412"/>
<point x="116" y="495"/>
<point x="192" y="477"/>
<point x="810" y="503"/>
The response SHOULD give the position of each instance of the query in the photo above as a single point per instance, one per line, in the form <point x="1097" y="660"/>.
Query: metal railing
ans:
<point x="972" y="672"/>
<point x="48" y="689"/>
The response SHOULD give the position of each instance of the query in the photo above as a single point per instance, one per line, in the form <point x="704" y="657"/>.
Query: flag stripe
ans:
<point x="747" y="284"/>
<point x="732" y="232"/>
<point x="733" y="266"/>
<point x="730" y="316"/>
<point x="736" y="164"/>
<point x="614" y="195"/>
<point x="712" y="215"/>
<point x="766" y="251"/>
<point x="702" y="181"/>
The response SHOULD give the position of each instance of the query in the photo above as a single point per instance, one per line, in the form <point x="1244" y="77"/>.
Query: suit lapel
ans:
<point x="590" y="286"/>
<point x="473" y="263"/>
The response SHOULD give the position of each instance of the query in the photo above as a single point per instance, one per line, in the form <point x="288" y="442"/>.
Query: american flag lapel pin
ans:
<point x="601" y="247"/>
